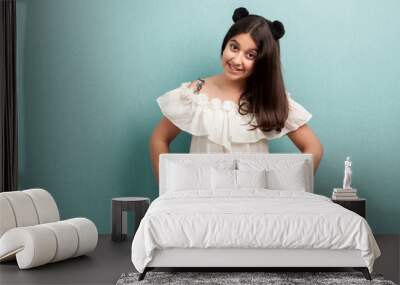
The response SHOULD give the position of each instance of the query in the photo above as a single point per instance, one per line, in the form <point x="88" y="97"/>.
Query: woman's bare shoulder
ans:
<point x="207" y="80"/>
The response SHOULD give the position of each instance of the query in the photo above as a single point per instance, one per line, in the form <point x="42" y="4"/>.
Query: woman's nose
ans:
<point x="237" y="60"/>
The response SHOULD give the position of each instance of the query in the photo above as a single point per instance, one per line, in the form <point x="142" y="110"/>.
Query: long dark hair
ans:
<point x="265" y="96"/>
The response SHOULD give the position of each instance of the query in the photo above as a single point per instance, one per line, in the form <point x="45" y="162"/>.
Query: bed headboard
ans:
<point x="217" y="158"/>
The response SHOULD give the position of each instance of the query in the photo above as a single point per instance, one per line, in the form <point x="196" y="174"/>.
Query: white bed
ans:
<point x="217" y="225"/>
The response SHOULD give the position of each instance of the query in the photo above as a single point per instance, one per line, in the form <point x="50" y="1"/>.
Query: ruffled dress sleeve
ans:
<point x="185" y="109"/>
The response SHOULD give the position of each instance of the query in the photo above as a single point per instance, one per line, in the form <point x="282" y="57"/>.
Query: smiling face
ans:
<point x="239" y="56"/>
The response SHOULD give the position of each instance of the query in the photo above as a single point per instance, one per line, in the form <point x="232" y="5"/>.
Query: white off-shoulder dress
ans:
<point x="217" y="126"/>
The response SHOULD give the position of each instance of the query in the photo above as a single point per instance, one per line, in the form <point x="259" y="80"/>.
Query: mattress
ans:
<point x="251" y="219"/>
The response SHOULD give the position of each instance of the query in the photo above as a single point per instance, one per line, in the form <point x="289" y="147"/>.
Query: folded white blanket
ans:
<point x="252" y="218"/>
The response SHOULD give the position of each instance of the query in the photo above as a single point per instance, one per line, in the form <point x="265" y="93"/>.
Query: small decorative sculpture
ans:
<point x="347" y="174"/>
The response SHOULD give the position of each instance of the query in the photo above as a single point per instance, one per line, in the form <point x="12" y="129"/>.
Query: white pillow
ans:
<point x="223" y="179"/>
<point x="251" y="178"/>
<point x="188" y="177"/>
<point x="229" y="179"/>
<point x="290" y="179"/>
<point x="280" y="174"/>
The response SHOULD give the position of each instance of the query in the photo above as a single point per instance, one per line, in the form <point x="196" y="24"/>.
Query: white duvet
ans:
<point x="252" y="218"/>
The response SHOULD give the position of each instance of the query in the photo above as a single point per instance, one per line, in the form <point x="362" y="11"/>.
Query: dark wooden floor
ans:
<point x="103" y="266"/>
<point x="110" y="260"/>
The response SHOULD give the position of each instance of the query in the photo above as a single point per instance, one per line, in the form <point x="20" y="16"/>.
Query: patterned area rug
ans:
<point x="229" y="278"/>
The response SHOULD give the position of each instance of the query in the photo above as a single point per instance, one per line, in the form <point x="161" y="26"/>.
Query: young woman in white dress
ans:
<point x="243" y="107"/>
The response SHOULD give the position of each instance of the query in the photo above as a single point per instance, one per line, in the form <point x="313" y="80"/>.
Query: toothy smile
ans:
<point x="234" y="69"/>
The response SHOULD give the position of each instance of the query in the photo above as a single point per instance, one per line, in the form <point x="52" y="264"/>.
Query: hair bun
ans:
<point x="239" y="14"/>
<point x="277" y="29"/>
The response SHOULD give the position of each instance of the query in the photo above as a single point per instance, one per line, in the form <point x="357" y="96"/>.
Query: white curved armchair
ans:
<point x="31" y="230"/>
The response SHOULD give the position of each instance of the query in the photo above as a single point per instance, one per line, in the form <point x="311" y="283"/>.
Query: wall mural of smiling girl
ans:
<point x="242" y="108"/>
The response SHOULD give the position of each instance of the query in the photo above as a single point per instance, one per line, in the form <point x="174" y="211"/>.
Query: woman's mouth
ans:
<point x="234" y="70"/>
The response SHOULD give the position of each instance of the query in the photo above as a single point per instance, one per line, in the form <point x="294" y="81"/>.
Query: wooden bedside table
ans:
<point x="357" y="206"/>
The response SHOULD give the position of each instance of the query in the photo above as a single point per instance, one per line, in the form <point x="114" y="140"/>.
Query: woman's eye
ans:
<point x="233" y="46"/>
<point x="252" y="56"/>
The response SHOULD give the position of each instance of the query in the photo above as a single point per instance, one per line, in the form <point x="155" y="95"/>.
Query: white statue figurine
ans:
<point x="347" y="174"/>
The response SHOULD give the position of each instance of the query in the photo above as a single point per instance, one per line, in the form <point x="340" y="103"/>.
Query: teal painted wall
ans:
<point x="89" y="72"/>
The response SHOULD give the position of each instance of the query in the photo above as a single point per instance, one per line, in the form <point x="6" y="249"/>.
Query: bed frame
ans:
<point x="237" y="258"/>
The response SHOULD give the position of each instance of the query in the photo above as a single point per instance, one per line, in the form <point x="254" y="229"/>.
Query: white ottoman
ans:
<point x="31" y="232"/>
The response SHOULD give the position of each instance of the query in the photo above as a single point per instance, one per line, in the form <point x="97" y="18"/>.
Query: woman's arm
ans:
<point x="307" y="142"/>
<point x="160" y="139"/>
